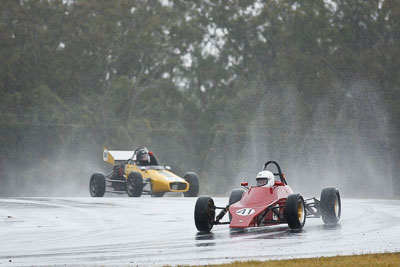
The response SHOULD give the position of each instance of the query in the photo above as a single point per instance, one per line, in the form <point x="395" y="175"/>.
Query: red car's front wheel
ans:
<point x="204" y="213"/>
<point x="295" y="212"/>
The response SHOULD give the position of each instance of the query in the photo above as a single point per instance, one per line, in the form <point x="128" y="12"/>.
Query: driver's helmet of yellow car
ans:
<point x="142" y="155"/>
<point x="265" y="178"/>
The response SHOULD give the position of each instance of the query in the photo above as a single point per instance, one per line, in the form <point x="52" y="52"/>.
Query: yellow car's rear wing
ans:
<point x="111" y="156"/>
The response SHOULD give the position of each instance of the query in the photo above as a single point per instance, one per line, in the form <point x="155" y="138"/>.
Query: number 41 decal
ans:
<point x="245" y="212"/>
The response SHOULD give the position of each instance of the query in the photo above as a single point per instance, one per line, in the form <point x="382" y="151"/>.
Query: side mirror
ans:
<point x="168" y="168"/>
<point x="142" y="168"/>
<point x="244" y="184"/>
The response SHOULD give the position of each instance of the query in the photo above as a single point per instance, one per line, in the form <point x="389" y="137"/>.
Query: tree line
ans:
<point x="196" y="81"/>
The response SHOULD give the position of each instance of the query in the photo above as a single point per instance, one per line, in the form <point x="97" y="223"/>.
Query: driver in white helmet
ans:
<point x="265" y="178"/>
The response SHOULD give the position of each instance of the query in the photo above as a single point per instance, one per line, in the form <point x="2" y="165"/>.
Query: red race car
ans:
<point x="271" y="202"/>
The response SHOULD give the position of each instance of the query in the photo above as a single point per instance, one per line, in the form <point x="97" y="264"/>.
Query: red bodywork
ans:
<point x="255" y="201"/>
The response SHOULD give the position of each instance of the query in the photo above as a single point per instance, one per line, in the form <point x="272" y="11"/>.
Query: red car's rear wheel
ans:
<point x="235" y="196"/>
<point x="331" y="206"/>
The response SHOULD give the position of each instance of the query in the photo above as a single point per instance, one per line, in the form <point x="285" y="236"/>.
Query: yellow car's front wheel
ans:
<point x="134" y="184"/>
<point x="193" y="181"/>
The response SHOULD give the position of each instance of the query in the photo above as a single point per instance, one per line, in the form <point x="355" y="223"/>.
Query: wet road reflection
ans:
<point x="161" y="231"/>
<point x="208" y="237"/>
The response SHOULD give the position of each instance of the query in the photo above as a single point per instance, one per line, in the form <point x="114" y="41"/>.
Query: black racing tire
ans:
<point x="204" y="213"/>
<point x="295" y="211"/>
<point x="234" y="197"/>
<point x="193" y="181"/>
<point x="134" y="184"/>
<point x="97" y="185"/>
<point x="331" y="206"/>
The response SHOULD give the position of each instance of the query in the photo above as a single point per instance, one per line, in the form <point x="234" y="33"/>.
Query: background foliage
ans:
<point x="216" y="87"/>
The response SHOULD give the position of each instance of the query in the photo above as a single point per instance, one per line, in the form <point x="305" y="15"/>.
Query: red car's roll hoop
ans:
<point x="279" y="173"/>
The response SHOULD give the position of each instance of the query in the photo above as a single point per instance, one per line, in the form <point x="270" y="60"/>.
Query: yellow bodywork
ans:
<point x="107" y="157"/>
<point x="161" y="179"/>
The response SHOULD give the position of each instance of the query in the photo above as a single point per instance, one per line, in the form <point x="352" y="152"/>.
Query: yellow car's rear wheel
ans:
<point x="134" y="184"/>
<point x="97" y="185"/>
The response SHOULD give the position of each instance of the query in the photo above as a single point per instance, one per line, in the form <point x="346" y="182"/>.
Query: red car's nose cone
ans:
<point x="255" y="201"/>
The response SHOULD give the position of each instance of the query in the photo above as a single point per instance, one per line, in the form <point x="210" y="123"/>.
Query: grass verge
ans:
<point x="382" y="259"/>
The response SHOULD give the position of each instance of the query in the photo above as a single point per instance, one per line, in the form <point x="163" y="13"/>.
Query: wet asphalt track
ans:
<point x="158" y="231"/>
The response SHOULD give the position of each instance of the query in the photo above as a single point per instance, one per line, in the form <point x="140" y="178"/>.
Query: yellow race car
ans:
<point x="138" y="172"/>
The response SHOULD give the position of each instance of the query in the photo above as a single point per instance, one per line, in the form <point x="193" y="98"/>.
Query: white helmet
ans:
<point x="265" y="178"/>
